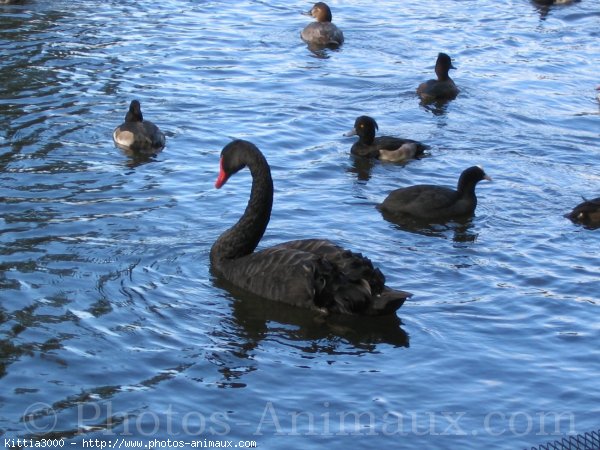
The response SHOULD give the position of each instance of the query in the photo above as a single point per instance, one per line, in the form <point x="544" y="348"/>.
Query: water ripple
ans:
<point x="108" y="312"/>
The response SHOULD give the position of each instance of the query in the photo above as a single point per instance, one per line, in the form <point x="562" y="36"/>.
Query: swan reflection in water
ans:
<point x="255" y="319"/>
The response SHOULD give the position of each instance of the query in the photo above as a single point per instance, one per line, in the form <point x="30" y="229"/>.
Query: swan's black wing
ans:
<point x="315" y="274"/>
<point x="354" y="285"/>
<point x="277" y="273"/>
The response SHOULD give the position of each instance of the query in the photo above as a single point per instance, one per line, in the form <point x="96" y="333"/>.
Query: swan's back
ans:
<point x="315" y="274"/>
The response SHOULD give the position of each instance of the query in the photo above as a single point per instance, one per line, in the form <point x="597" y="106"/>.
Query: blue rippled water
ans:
<point x="111" y="326"/>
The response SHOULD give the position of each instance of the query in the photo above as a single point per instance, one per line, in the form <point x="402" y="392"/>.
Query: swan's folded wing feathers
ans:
<point x="280" y="274"/>
<point x="308" y="279"/>
<point x="353" y="267"/>
<point x="315" y="274"/>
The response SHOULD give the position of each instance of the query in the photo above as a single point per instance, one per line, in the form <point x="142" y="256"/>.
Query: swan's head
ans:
<point x="234" y="157"/>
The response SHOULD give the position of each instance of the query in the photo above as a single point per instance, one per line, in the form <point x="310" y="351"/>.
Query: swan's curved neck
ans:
<point x="242" y="238"/>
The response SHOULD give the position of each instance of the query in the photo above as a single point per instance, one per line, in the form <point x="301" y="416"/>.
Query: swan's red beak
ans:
<point x="222" y="178"/>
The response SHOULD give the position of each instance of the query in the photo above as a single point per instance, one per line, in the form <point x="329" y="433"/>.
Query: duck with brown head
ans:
<point x="322" y="33"/>
<point x="311" y="273"/>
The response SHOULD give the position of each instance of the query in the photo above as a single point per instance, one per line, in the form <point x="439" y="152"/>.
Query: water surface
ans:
<point x="110" y="323"/>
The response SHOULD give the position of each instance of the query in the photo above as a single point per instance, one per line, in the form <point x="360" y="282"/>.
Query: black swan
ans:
<point x="443" y="88"/>
<point x="437" y="202"/>
<point x="586" y="213"/>
<point x="311" y="273"/>
<point x="386" y="148"/>
<point x="137" y="134"/>
<point x="322" y="33"/>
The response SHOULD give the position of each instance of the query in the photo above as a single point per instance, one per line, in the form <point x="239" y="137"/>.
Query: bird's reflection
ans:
<point x="255" y="318"/>
<point x="436" y="107"/>
<point x="136" y="159"/>
<point x="362" y="167"/>
<point x="545" y="6"/>
<point x="319" y="52"/>
<point x="461" y="228"/>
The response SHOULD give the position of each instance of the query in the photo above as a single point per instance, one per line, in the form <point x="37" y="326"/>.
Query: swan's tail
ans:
<point x="358" y="299"/>
<point x="387" y="302"/>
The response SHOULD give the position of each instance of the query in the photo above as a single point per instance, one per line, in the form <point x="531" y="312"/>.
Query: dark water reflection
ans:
<point x="362" y="168"/>
<point x="544" y="7"/>
<point x="313" y="333"/>
<point x="461" y="229"/>
<point x="436" y="107"/>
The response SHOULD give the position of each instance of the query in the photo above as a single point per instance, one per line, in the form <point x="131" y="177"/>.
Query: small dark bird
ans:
<point x="137" y="134"/>
<point x="443" y="88"/>
<point x="386" y="148"/>
<point x="586" y="213"/>
<point x="430" y="202"/>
